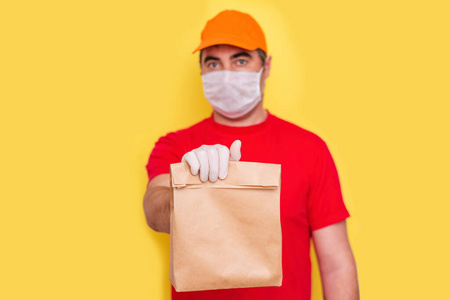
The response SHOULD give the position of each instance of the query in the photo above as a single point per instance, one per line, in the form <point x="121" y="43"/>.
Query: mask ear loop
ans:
<point x="261" y="91"/>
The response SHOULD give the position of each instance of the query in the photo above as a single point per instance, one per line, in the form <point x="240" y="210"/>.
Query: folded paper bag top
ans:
<point x="225" y="234"/>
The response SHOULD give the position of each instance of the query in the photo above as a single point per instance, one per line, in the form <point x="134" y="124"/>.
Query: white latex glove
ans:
<point x="212" y="160"/>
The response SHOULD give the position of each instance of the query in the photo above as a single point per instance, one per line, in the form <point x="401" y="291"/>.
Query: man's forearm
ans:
<point x="157" y="208"/>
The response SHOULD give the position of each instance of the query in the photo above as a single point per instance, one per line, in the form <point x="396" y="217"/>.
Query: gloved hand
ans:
<point x="212" y="160"/>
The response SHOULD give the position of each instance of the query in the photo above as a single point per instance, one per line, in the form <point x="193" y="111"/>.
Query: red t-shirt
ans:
<point x="310" y="192"/>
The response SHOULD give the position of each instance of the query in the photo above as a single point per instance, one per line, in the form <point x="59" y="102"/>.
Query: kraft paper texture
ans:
<point x="225" y="234"/>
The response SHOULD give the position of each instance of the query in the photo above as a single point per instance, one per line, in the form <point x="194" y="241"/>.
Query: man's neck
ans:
<point x="253" y="117"/>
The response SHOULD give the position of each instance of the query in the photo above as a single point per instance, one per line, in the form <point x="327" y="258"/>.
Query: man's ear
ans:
<point x="267" y="65"/>
<point x="200" y="60"/>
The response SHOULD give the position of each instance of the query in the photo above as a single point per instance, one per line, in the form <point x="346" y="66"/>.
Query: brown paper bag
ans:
<point x="225" y="234"/>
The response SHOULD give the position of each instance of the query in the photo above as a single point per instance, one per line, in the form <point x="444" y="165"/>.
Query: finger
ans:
<point x="213" y="157"/>
<point x="224" y="157"/>
<point x="193" y="162"/>
<point x="204" y="165"/>
<point x="235" y="150"/>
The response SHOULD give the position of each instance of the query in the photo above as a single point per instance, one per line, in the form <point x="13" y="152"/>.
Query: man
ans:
<point x="234" y="67"/>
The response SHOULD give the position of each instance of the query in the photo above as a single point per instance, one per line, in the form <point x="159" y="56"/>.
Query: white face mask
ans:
<point x="232" y="93"/>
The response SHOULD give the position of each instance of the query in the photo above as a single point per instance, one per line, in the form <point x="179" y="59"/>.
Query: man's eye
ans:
<point x="213" y="65"/>
<point x="241" y="61"/>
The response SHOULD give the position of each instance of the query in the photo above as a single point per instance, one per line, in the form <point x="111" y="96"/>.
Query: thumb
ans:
<point x="235" y="150"/>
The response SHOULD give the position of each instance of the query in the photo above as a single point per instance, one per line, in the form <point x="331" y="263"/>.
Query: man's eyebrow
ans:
<point x="241" y="54"/>
<point x="208" y="58"/>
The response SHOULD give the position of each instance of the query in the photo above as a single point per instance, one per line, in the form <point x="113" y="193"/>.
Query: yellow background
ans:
<point x="87" y="87"/>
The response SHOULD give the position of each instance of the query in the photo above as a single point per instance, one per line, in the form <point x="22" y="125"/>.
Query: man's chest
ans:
<point x="295" y="181"/>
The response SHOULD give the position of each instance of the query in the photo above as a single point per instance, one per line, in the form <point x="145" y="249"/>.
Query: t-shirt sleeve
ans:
<point x="166" y="152"/>
<point x="325" y="204"/>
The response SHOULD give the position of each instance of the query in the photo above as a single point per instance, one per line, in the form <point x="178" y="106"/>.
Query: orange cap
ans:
<point x="234" y="28"/>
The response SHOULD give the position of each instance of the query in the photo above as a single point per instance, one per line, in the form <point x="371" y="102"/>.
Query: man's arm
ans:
<point x="157" y="203"/>
<point x="336" y="262"/>
<point x="210" y="161"/>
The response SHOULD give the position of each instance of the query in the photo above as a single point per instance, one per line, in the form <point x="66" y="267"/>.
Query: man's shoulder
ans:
<point x="196" y="127"/>
<point x="178" y="139"/>
<point x="184" y="132"/>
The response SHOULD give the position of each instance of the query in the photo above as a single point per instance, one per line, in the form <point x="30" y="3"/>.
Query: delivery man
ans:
<point x="234" y="67"/>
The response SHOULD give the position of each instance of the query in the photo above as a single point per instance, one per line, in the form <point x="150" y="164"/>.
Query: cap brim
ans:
<point x="247" y="45"/>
